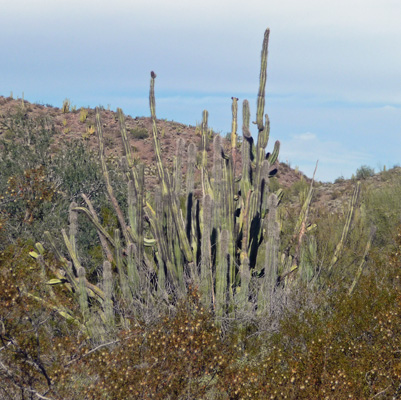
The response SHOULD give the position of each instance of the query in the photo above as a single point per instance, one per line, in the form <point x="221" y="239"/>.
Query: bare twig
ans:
<point x="92" y="351"/>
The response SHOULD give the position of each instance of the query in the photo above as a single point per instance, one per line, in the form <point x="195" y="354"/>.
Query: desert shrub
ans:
<point x="27" y="196"/>
<point x="83" y="115"/>
<point x="274" y="184"/>
<point x="383" y="210"/>
<point x="66" y="105"/>
<point x="340" y="179"/>
<point x="75" y="170"/>
<point x="139" y="133"/>
<point x="364" y="172"/>
<point x="34" y="337"/>
<point x="27" y="189"/>
<point x="347" y="348"/>
<point x="298" y="189"/>
<point x="38" y="184"/>
<point x="178" y="357"/>
<point x="29" y="147"/>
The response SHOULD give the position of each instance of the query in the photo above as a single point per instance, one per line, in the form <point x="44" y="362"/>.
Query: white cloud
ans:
<point x="334" y="158"/>
<point x="307" y="136"/>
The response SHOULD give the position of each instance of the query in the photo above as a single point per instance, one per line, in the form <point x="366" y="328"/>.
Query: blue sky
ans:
<point x="334" y="68"/>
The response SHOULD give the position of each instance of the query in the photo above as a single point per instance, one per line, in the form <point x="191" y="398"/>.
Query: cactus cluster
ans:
<point x="225" y="242"/>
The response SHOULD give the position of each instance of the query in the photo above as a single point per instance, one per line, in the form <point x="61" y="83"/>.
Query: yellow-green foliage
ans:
<point x="109" y="219"/>
<point x="383" y="206"/>
<point x="139" y="133"/>
<point x="83" y="114"/>
<point x="66" y="106"/>
<point x="90" y="130"/>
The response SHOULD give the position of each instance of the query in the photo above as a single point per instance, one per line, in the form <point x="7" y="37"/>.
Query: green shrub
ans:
<point x="83" y="115"/>
<point x="274" y="184"/>
<point x="383" y="209"/>
<point x="37" y="185"/>
<point x="340" y="179"/>
<point x="66" y="106"/>
<point x="139" y="133"/>
<point x="364" y="172"/>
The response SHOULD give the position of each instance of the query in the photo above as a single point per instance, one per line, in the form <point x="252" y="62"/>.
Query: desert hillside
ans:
<point x="248" y="281"/>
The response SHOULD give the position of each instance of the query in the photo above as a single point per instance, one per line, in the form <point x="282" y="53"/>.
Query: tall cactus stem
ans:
<point x="206" y="288"/>
<point x="108" y="293"/>
<point x="243" y="290"/>
<point x="132" y="202"/>
<point x="178" y="166"/>
<point x="234" y="128"/>
<point x="363" y="261"/>
<point x="246" y="151"/>
<point x="262" y="82"/>
<point x="222" y="273"/>
<point x="271" y="257"/>
<point x="83" y="295"/>
<point x="73" y="220"/>
<point x="190" y="199"/>
<point x="106" y="176"/>
<point x="132" y="270"/>
<point x="139" y="215"/>
<point x="125" y="290"/>
<point x="165" y="179"/>
<point x="102" y="237"/>
<point x="346" y="228"/>
<point x="274" y="154"/>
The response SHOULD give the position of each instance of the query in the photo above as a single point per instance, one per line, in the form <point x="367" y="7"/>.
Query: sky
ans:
<point x="333" y="90"/>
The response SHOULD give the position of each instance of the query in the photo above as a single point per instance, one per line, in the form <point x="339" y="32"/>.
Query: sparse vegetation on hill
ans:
<point x="175" y="264"/>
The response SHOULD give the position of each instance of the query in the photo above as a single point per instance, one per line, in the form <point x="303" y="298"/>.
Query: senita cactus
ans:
<point x="226" y="243"/>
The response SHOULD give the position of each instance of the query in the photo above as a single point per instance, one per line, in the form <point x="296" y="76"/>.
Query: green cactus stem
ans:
<point x="262" y="82"/>
<point x="243" y="290"/>
<point x="346" y="228"/>
<point x="83" y="295"/>
<point x="109" y="188"/>
<point x="222" y="273"/>
<point x="165" y="179"/>
<point x="101" y="231"/>
<point x="125" y="289"/>
<point x="363" y="261"/>
<point x="206" y="288"/>
<point x="108" y="293"/>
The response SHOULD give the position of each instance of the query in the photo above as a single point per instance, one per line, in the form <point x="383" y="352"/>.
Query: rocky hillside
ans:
<point x="72" y="124"/>
<point x="79" y="124"/>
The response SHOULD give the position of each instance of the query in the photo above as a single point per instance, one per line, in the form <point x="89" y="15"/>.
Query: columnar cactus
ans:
<point x="227" y="243"/>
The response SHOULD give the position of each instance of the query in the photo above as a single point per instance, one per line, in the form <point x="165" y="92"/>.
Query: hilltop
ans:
<point x="73" y="124"/>
<point x="79" y="124"/>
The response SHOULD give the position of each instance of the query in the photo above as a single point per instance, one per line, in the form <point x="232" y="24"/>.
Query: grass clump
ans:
<point x="139" y="133"/>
